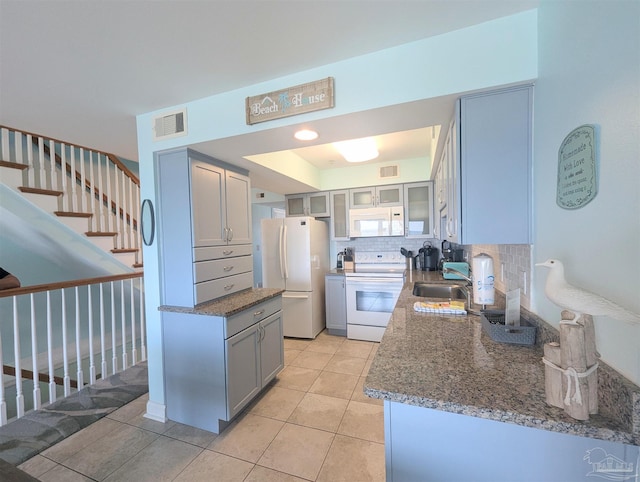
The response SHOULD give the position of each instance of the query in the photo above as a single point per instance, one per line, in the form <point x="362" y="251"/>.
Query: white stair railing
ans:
<point x="91" y="182"/>
<point x="34" y="331"/>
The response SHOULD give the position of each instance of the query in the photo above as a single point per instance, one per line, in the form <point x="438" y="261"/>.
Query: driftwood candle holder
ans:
<point x="571" y="379"/>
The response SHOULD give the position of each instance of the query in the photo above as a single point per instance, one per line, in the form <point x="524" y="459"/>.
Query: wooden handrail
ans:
<point x="42" y="377"/>
<point x="87" y="184"/>
<point x="24" y="290"/>
<point x="111" y="157"/>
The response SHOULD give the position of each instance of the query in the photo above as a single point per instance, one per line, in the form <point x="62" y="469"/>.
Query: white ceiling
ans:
<point x="81" y="71"/>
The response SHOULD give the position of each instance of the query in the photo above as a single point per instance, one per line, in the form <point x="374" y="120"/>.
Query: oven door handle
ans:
<point x="364" y="280"/>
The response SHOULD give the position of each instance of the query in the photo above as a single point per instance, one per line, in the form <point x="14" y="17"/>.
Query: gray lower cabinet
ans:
<point x="427" y="444"/>
<point x="214" y="366"/>
<point x="336" y="304"/>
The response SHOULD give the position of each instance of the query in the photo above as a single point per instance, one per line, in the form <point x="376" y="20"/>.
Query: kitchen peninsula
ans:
<point x="460" y="406"/>
<point x="220" y="354"/>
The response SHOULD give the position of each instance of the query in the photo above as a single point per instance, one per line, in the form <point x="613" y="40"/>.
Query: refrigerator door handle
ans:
<point x="299" y="297"/>
<point x="284" y="252"/>
<point x="280" y="253"/>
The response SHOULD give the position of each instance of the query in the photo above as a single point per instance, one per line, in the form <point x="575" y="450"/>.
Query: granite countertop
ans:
<point x="447" y="362"/>
<point x="229" y="305"/>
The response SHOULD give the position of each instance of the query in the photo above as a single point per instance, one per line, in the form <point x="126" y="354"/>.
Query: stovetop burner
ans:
<point x="381" y="264"/>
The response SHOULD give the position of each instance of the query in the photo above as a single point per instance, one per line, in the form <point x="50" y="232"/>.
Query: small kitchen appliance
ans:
<point x="455" y="270"/>
<point x="450" y="253"/>
<point x="376" y="222"/>
<point x="428" y="257"/>
<point x="340" y="262"/>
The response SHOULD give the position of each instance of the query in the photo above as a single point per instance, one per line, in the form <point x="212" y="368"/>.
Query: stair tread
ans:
<point x="125" y="250"/>
<point x="71" y="214"/>
<point x="34" y="190"/>
<point x="13" y="165"/>
<point x="101" y="233"/>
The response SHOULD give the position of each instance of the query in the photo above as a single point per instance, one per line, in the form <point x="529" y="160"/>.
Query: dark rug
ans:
<point x="40" y="429"/>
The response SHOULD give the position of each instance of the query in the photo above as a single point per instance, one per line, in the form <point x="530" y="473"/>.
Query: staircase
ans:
<point x="91" y="192"/>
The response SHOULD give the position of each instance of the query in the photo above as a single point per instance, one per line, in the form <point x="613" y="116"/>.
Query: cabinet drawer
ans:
<point x="209" y="290"/>
<point x="244" y="319"/>
<point x="219" y="252"/>
<point x="219" y="268"/>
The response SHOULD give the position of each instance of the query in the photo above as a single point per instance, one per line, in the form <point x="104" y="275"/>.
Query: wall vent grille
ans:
<point x="170" y="124"/>
<point x="389" y="171"/>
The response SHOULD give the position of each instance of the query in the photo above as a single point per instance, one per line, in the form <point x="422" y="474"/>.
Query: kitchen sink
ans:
<point x="435" y="290"/>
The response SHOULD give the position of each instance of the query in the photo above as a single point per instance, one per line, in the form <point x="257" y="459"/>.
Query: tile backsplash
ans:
<point x="511" y="265"/>
<point x="511" y="262"/>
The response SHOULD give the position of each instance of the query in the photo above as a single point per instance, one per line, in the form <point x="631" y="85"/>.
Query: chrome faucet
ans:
<point x="467" y="287"/>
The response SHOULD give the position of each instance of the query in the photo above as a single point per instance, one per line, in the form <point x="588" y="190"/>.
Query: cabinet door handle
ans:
<point x="226" y="234"/>
<point x="230" y="234"/>
<point x="227" y="252"/>
<point x="258" y="313"/>
<point x="227" y="268"/>
<point x="228" y="287"/>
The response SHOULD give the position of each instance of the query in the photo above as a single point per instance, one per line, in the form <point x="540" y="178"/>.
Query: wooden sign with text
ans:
<point x="577" y="169"/>
<point x="300" y="99"/>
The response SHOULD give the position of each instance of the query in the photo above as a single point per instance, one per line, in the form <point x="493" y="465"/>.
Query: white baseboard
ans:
<point x="156" y="411"/>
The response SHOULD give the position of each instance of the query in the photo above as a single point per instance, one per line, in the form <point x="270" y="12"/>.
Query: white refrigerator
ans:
<point x="295" y="257"/>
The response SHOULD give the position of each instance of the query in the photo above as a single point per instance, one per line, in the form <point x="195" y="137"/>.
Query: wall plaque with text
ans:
<point x="299" y="99"/>
<point x="577" y="169"/>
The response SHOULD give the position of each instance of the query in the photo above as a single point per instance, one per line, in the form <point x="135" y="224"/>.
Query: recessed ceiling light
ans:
<point x="306" y="135"/>
<point x="358" y="150"/>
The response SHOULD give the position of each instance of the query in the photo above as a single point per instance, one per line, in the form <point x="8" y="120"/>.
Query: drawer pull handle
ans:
<point x="228" y="287"/>
<point x="228" y="268"/>
<point x="227" y="252"/>
<point x="258" y="313"/>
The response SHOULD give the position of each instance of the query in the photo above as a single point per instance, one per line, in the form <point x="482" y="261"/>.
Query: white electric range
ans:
<point x="372" y="290"/>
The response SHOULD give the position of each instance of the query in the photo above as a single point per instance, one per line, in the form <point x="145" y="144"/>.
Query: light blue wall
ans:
<point x="500" y="52"/>
<point x="589" y="73"/>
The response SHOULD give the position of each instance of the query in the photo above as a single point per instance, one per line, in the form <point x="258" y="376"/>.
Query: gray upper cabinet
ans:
<point x="419" y="213"/>
<point x="484" y="179"/>
<point x="495" y="166"/>
<point x="376" y="196"/>
<point x="221" y="206"/>
<point x="204" y="228"/>
<point x="308" y="204"/>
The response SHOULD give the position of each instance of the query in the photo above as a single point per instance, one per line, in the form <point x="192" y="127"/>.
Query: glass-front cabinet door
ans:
<point x="310" y="204"/>
<point x="295" y="205"/>
<point x="389" y="195"/>
<point x="340" y="215"/>
<point x="364" y="197"/>
<point x="419" y="210"/>
<point x="318" y="204"/>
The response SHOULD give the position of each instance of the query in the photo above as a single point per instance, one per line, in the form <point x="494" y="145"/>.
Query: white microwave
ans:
<point x="374" y="222"/>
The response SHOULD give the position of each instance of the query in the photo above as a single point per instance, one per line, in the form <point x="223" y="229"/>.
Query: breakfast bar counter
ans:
<point x="434" y="366"/>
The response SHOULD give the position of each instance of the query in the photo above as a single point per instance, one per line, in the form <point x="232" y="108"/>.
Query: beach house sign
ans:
<point x="295" y="100"/>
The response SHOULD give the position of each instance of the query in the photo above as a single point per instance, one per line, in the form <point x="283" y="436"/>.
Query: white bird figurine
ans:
<point x="580" y="301"/>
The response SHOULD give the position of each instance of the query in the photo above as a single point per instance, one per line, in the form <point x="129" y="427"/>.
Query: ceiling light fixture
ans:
<point x="358" y="150"/>
<point x="306" y="135"/>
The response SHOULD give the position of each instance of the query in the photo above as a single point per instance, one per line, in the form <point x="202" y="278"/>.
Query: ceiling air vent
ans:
<point x="170" y="124"/>
<point x="389" y="171"/>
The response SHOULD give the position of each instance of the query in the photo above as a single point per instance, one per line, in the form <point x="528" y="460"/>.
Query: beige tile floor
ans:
<point x="312" y="423"/>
